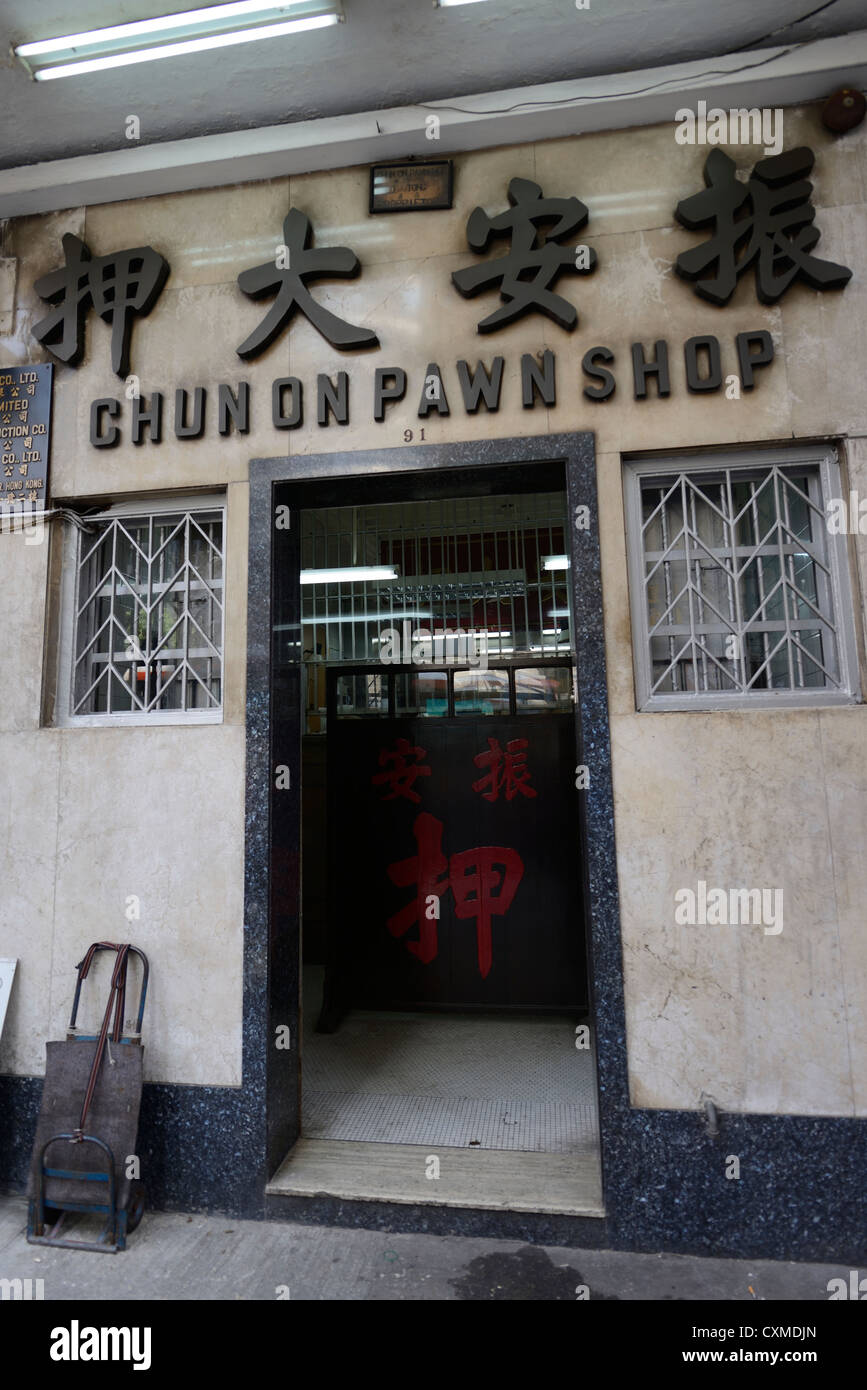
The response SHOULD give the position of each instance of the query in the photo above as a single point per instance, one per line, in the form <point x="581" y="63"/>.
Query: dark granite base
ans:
<point x="536" y="1228"/>
<point x="20" y="1098"/>
<point x="800" y="1195"/>
<point x="197" y="1148"/>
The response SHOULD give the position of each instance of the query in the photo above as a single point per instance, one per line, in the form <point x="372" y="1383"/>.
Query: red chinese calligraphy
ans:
<point x="424" y="870"/>
<point x="483" y="880"/>
<point x="473" y="876"/>
<point x="508" y="771"/>
<point x="403" y="774"/>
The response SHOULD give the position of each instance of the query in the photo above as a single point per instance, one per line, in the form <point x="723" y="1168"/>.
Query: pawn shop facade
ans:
<point x="602" y="409"/>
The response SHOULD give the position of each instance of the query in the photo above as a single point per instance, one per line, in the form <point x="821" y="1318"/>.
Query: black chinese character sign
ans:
<point x="25" y="424"/>
<point x="118" y="286"/>
<point x="766" y="222"/>
<point x="287" y="275"/>
<point x="544" y="262"/>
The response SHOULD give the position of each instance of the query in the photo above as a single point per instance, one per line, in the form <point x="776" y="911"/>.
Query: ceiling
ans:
<point x="389" y="53"/>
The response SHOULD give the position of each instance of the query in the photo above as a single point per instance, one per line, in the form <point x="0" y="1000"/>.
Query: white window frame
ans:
<point x="71" y="542"/>
<point x="823" y="457"/>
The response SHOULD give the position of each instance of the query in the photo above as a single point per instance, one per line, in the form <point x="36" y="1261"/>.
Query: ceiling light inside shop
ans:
<point x="169" y="36"/>
<point x="555" y="562"/>
<point x="383" y="617"/>
<point x="351" y="575"/>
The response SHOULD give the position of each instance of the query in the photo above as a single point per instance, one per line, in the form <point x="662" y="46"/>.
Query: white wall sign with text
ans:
<point x="7" y="975"/>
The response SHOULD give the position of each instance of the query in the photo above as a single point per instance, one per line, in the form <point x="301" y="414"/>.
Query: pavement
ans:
<point x="173" y="1256"/>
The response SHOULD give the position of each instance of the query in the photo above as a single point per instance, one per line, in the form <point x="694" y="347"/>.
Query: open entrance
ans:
<point x="445" y="991"/>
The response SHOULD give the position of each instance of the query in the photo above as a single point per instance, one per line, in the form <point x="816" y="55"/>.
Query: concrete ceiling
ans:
<point x="389" y="53"/>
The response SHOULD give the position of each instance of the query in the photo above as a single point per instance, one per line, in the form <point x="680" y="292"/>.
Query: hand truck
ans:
<point x="87" y="1082"/>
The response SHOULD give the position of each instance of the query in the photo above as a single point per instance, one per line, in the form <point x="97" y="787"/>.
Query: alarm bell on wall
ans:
<point x="844" y="110"/>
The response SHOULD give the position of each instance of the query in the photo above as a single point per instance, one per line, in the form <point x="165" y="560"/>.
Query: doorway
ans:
<point x="445" y="975"/>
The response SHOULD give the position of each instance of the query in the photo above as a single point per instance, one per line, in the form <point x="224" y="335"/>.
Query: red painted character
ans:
<point x="402" y="776"/>
<point x="507" y="770"/>
<point x="422" y="869"/>
<point x="483" y="880"/>
<point x="477" y="872"/>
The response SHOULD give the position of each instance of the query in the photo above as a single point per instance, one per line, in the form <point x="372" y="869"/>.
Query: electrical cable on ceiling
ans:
<point x="603" y="96"/>
<point x="789" y="24"/>
<point x="654" y="86"/>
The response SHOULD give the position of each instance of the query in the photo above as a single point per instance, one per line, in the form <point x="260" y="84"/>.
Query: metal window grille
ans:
<point x="739" y="585"/>
<point x="148" y="627"/>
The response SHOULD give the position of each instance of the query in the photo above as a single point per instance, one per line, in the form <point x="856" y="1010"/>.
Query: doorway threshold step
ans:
<point x="561" y="1184"/>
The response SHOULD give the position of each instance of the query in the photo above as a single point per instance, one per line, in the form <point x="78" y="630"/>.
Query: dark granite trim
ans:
<point x="800" y="1195"/>
<point x="537" y="1228"/>
<point x="20" y="1098"/>
<point x="196" y="1144"/>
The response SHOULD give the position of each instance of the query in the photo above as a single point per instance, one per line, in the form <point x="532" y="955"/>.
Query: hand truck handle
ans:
<point x="83" y="968"/>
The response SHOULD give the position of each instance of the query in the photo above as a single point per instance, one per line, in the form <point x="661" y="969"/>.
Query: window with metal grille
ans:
<point x="738" y="591"/>
<point x="146" y="628"/>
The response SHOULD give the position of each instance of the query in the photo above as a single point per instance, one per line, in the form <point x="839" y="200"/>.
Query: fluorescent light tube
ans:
<point x="166" y="24"/>
<point x="555" y="562"/>
<point x="351" y="575"/>
<point x="385" y="618"/>
<point x="192" y="31"/>
<point x="174" y="50"/>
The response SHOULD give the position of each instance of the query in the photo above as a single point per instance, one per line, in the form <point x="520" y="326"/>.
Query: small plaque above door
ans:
<point x="411" y="187"/>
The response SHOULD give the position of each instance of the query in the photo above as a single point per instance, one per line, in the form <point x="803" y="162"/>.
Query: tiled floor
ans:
<point x="458" y="1081"/>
